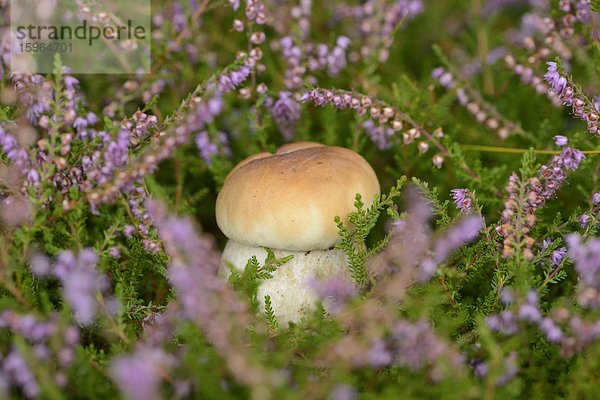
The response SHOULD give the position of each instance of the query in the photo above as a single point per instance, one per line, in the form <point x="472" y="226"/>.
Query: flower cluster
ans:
<point x="571" y="96"/>
<point x="53" y="348"/>
<point x="528" y="77"/>
<point x="376" y="22"/>
<point x="462" y="199"/>
<point x="81" y="282"/>
<point x="385" y="125"/>
<point x="569" y="331"/>
<point x="483" y="112"/>
<point x="204" y="297"/>
<point x="526" y="197"/>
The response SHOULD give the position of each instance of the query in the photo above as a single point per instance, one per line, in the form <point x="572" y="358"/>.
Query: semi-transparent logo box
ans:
<point x="89" y="36"/>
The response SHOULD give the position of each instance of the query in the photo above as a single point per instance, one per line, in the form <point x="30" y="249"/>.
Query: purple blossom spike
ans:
<point x="586" y="257"/>
<point x="18" y="373"/>
<point x="206" y="147"/>
<point x="466" y="230"/>
<point x="416" y="345"/>
<point x="344" y="392"/>
<point x="504" y="323"/>
<point x="335" y="292"/>
<point x="139" y="374"/>
<point x="286" y="112"/>
<point x="462" y="199"/>
<point x="529" y="311"/>
<point x="551" y="330"/>
<point x="558" y="255"/>
<point x="379" y="134"/>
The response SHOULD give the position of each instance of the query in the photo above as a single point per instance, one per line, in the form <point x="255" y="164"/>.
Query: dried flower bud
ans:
<point x="257" y="37"/>
<point x="43" y="144"/>
<point x="509" y="60"/>
<point x="492" y="123"/>
<point x="66" y="205"/>
<point x="529" y="43"/>
<point x="397" y="125"/>
<point x="438" y="160"/>
<point x="245" y="93"/>
<point x="423" y="147"/>
<point x="473" y="107"/>
<point x="238" y="25"/>
<point x="256" y="53"/>
<point x="61" y="163"/>
<point x="262" y="88"/>
<point x="388" y="112"/>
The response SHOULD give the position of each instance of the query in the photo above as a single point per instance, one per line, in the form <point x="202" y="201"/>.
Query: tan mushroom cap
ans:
<point x="288" y="200"/>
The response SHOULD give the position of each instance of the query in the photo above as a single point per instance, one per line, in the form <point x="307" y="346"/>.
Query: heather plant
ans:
<point x="475" y="274"/>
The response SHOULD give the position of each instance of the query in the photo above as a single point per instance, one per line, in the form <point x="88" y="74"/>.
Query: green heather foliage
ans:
<point x="475" y="274"/>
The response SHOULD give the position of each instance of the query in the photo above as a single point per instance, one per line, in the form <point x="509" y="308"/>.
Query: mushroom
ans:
<point x="287" y="202"/>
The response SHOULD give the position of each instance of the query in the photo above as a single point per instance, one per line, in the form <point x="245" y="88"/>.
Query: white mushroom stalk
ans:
<point x="287" y="202"/>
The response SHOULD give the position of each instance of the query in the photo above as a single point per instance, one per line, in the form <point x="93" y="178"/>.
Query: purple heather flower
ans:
<point x="27" y="325"/>
<point x="39" y="264"/>
<point x="286" y="112"/>
<point x="129" y="230"/>
<point x="511" y="369"/>
<point x="586" y="258"/>
<point x="480" y="368"/>
<point x="343" y="392"/>
<point x="504" y="323"/>
<point x="546" y="243"/>
<point x="416" y="345"/>
<point x="206" y="147"/>
<point x="530" y="311"/>
<point x="114" y="252"/>
<point x="139" y="375"/>
<point x="457" y="235"/>
<point x="70" y="82"/>
<point x="81" y="285"/>
<point x="379" y="134"/>
<point x="17" y="372"/>
<point x="335" y="291"/>
<point x="560" y="140"/>
<point x="379" y="356"/>
<point x="91" y="118"/>
<point x="596" y="198"/>
<point x="553" y="77"/>
<point x="228" y="82"/>
<point x="551" y="330"/>
<point x="80" y="123"/>
<point x="584" y="221"/>
<point x="81" y="282"/>
<point x="9" y="145"/>
<point x="507" y="296"/>
<point x="558" y="255"/>
<point x="336" y="59"/>
<point x="462" y="200"/>
<point x="571" y="158"/>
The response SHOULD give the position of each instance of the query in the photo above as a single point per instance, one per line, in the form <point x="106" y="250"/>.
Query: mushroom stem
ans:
<point x="291" y="296"/>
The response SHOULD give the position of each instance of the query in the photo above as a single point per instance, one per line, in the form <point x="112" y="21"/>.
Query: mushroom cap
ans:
<point x="288" y="200"/>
